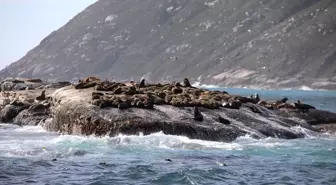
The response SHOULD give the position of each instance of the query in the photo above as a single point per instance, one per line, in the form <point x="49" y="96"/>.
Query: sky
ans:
<point x="24" y="23"/>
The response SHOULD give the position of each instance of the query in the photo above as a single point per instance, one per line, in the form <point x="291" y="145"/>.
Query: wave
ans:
<point x="204" y="86"/>
<point x="253" y="87"/>
<point x="32" y="142"/>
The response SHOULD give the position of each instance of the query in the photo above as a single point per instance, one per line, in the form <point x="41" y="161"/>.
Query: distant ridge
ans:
<point x="239" y="43"/>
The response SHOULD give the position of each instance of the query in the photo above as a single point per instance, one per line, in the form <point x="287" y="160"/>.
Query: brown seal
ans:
<point x="41" y="97"/>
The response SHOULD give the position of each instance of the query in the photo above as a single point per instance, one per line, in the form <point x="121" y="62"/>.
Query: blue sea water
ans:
<point x="27" y="153"/>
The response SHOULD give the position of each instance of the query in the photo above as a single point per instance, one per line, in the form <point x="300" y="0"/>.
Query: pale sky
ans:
<point x="24" y="23"/>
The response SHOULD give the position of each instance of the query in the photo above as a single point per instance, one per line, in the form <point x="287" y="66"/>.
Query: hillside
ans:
<point x="254" y="43"/>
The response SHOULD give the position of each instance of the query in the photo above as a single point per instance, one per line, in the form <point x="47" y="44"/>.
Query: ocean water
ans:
<point x="29" y="155"/>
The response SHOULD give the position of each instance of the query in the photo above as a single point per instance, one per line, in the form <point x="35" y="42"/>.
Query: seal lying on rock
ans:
<point x="91" y="79"/>
<point x="87" y="83"/>
<point x="223" y="121"/>
<point x="232" y="105"/>
<point x="284" y="100"/>
<point x="123" y="106"/>
<point x="303" y="107"/>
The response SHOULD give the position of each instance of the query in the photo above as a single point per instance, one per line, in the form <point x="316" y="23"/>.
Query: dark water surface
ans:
<point x="27" y="153"/>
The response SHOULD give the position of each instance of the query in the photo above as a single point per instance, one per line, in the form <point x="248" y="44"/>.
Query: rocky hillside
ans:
<point x="255" y="43"/>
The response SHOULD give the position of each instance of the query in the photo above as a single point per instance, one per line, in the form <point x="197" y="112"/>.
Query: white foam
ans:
<point x="171" y="142"/>
<point x="35" y="142"/>
<point x="308" y="133"/>
<point x="31" y="129"/>
<point x="306" y="88"/>
<point x="204" y="86"/>
<point x="269" y="142"/>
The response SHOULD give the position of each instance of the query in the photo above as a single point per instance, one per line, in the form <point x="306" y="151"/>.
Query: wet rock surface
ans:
<point x="96" y="107"/>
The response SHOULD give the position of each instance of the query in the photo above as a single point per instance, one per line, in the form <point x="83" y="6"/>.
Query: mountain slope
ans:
<point x="258" y="43"/>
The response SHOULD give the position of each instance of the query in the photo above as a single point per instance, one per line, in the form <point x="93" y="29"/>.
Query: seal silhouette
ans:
<point x="42" y="97"/>
<point x="197" y="114"/>
<point x="186" y="83"/>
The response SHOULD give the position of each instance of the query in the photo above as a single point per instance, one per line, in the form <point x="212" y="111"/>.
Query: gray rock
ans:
<point x="8" y="113"/>
<point x="4" y="101"/>
<point x="27" y="117"/>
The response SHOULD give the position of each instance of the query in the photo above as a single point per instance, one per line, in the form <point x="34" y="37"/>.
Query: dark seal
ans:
<point x="142" y="83"/>
<point x="197" y="115"/>
<point x="42" y="97"/>
<point x="186" y="83"/>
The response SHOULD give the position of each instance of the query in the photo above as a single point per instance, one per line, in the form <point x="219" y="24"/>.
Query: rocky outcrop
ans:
<point x="203" y="114"/>
<point x="250" y="43"/>
<point x="75" y="113"/>
<point x="20" y="84"/>
<point x="8" y="113"/>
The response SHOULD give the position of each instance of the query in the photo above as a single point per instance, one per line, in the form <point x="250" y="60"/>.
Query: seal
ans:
<point x="186" y="83"/>
<point x="91" y="79"/>
<point x="168" y="160"/>
<point x="42" y="97"/>
<point x="197" y="114"/>
<point x="123" y="106"/>
<point x="142" y="83"/>
<point x="223" y="121"/>
<point x="284" y="100"/>
<point x="256" y="97"/>
<point x="303" y="107"/>
<point x="177" y="84"/>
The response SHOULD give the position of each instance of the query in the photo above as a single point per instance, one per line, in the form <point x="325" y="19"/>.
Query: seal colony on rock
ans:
<point x="99" y="107"/>
<point x="146" y="96"/>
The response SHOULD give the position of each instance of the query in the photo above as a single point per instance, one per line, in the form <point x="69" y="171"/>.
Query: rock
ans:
<point x="8" y="113"/>
<point x="58" y="85"/>
<point x="20" y="87"/>
<point x="253" y="108"/>
<point x="177" y="90"/>
<point x="34" y="80"/>
<point x="32" y="118"/>
<point x="4" y="101"/>
<point x="7" y="86"/>
<point x="38" y="108"/>
<point x="117" y="91"/>
<point x="77" y="111"/>
<point x="85" y="85"/>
